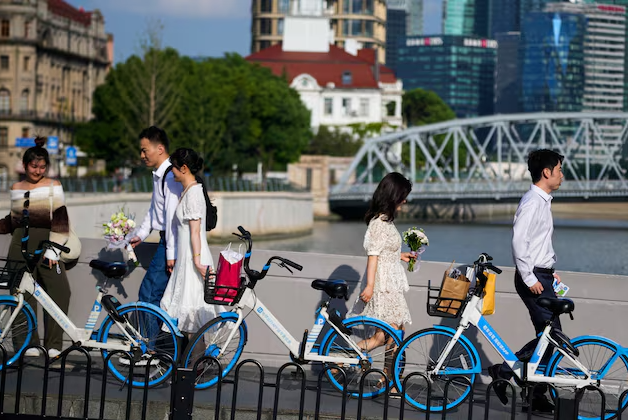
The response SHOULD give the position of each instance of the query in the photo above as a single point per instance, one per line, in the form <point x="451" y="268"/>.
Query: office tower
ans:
<point x="552" y="62"/>
<point x="503" y="16"/>
<point x="460" y="69"/>
<point x="507" y="75"/>
<point x="362" y="20"/>
<point x="396" y="29"/>
<point x="466" y="17"/>
<point x="414" y="18"/>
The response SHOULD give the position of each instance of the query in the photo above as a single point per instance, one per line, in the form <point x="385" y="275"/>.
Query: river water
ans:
<point x="592" y="246"/>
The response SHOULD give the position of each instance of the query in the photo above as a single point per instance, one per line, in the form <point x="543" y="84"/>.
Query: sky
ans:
<point x="197" y="28"/>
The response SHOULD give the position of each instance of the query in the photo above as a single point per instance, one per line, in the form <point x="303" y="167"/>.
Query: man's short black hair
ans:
<point x="156" y="136"/>
<point x="542" y="159"/>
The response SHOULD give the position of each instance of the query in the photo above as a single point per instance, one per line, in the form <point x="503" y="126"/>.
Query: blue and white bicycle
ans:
<point x="445" y="355"/>
<point x="345" y="344"/>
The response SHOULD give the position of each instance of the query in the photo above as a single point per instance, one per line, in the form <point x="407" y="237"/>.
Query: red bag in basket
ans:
<point x="228" y="273"/>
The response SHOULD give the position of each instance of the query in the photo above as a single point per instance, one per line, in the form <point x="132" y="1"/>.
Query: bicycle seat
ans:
<point x="333" y="288"/>
<point x="109" y="269"/>
<point x="555" y="305"/>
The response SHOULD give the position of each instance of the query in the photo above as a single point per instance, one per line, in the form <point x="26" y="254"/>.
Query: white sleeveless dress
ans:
<point x="183" y="298"/>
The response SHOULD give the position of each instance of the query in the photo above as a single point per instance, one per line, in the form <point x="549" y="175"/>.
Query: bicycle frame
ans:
<point x="472" y="314"/>
<point x="77" y="335"/>
<point x="249" y="300"/>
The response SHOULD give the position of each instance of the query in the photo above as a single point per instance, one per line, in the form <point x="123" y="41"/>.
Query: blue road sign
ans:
<point x="70" y="156"/>
<point x="53" y="145"/>
<point x="24" y="142"/>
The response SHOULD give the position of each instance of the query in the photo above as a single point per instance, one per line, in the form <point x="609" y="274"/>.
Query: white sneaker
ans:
<point x="53" y="353"/>
<point x="32" y="352"/>
<point x="143" y="362"/>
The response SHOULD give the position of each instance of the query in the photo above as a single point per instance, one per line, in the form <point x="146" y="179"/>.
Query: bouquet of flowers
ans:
<point x="416" y="239"/>
<point x="116" y="230"/>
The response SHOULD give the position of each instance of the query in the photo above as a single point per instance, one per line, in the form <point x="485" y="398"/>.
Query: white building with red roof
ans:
<point x="339" y="87"/>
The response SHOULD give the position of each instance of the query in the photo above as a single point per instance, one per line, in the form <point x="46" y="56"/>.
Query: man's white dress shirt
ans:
<point x="532" y="234"/>
<point x="163" y="205"/>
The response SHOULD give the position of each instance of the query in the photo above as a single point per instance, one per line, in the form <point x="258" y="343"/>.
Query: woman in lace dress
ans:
<point x="386" y="282"/>
<point x="183" y="298"/>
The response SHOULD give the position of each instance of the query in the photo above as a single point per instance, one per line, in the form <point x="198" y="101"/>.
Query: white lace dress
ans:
<point x="183" y="298"/>
<point x="388" y="302"/>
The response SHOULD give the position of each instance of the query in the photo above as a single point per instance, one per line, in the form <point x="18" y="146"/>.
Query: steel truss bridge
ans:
<point x="484" y="160"/>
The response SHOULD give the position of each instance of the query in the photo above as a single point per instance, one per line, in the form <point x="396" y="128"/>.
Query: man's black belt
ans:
<point x="544" y="270"/>
<point x="162" y="234"/>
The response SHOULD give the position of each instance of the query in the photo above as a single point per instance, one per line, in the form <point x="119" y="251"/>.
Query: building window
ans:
<point x="4" y="136"/>
<point x="4" y="62"/>
<point x="27" y="63"/>
<point x="26" y="131"/>
<point x="5" y="101"/>
<point x="391" y="107"/>
<point x="347" y="79"/>
<point x="329" y="106"/>
<point x="283" y="6"/>
<point x="364" y="107"/>
<point x="24" y="102"/>
<point x="346" y="106"/>
<point x="279" y="26"/>
<point x="5" y="28"/>
<point x="27" y="29"/>
<point x="264" y="44"/>
<point x="265" y="26"/>
<point x="266" y="6"/>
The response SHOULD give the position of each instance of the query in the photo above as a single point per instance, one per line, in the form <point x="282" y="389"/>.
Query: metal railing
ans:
<point x="145" y="184"/>
<point x="294" y="395"/>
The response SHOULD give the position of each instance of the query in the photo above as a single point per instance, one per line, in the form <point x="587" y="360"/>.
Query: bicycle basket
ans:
<point x="217" y="294"/>
<point x="443" y="307"/>
<point x="10" y="272"/>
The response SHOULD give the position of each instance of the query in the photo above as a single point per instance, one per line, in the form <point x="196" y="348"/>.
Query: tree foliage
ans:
<point x="333" y="142"/>
<point x="229" y="110"/>
<point x="421" y="107"/>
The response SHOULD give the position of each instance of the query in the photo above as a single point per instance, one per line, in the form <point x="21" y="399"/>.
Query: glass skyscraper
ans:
<point x="396" y="29"/>
<point x="504" y="16"/>
<point x="459" y="69"/>
<point x="552" y="62"/>
<point x="466" y="17"/>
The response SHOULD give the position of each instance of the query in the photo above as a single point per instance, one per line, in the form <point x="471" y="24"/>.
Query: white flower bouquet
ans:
<point x="417" y="240"/>
<point x="116" y="230"/>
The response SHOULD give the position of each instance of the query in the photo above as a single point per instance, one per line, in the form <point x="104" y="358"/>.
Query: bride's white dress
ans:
<point x="183" y="298"/>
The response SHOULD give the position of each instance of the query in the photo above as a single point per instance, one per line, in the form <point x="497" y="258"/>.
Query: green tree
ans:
<point x="422" y="107"/>
<point x="333" y="142"/>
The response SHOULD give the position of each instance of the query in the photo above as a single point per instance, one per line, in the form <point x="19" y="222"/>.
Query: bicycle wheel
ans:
<point x="608" y="367"/>
<point x="208" y="342"/>
<point x="419" y="353"/>
<point x="19" y="335"/>
<point x="380" y="357"/>
<point x="141" y="319"/>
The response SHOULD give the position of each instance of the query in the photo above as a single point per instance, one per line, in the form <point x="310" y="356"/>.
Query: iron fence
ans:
<point x="296" y="393"/>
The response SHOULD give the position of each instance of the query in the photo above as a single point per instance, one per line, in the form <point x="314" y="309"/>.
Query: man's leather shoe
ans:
<point x="501" y="387"/>
<point x="540" y="404"/>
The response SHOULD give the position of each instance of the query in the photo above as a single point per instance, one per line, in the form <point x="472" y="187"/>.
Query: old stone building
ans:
<point x="52" y="57"/>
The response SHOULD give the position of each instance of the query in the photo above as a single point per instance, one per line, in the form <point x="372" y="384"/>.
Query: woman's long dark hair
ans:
<point x="390" y="193"/>
<point x="37" y="152"/>
<point x="191" y="159"/>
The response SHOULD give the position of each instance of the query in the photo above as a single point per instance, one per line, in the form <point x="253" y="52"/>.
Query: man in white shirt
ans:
<point x="534" y="259"/>
<point x="154" y="145"/>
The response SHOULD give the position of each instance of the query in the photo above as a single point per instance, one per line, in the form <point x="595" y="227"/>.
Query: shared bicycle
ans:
<point x="345" y="347"/>
<point x="448" y="360"/>
<point x="134" y="353"/>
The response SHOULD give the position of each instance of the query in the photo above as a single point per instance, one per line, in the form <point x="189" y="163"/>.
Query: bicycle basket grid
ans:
<point x="443" y="307"/>
<point x="216" y="294"/>
<point x="10" y="272"/>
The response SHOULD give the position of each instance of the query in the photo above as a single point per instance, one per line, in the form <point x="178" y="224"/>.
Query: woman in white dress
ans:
<point x="183" y="298"/>
<point x="386" y="282"/>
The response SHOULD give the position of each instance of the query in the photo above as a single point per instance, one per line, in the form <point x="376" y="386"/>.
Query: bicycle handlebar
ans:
<point x="255" y="275"/>
<point x="33" y="258"/>
<point x="482" y="264"/>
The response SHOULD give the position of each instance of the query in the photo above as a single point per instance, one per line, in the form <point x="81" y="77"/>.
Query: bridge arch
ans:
<point x="484" y="159"/>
